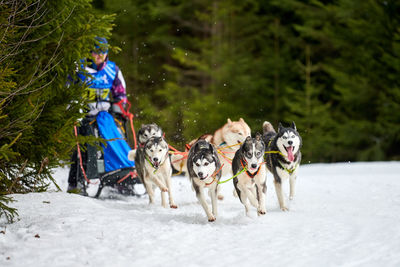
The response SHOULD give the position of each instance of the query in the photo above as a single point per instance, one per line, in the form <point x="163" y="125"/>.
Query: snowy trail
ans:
<point x="343" y="214"/>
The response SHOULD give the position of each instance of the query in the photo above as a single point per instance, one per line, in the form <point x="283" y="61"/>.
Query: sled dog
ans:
<point x="154" y="169"/>
<point x="283" y="157"/>
<point x="204" y="170"/>
<point x="226" y="140"/>
<point x="250" y="182"/>
<point x="145" y="133"/>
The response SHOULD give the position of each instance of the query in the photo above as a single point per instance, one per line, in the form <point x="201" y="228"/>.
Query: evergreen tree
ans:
<point x="366" y="38"/>
<point x="330" y="66"/>
<point x="41" y="43"/>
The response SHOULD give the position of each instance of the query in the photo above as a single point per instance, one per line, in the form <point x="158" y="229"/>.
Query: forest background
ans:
<point x="330" y="66"/>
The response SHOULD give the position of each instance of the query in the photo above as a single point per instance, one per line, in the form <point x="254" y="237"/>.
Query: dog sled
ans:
<point x="108" y="163"/>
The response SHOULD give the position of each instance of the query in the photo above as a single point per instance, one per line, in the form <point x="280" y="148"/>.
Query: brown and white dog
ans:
<point x="226" y="140"/>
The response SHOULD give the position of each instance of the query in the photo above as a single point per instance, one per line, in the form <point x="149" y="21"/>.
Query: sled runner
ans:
<point x="108" y="162"/>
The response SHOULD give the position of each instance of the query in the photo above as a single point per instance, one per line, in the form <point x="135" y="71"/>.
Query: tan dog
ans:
<point x="226" y="140"/>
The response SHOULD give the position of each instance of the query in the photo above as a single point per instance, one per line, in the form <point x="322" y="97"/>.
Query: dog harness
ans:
<point x="213" y="175"/>
<point x="152" y="164"/>
<point x="251" y="175"/>
<point x="290" y="171"/>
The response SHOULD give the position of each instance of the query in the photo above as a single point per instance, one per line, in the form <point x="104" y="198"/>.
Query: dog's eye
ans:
<point x="293" y="136"/>
<point x="145" y="135"/>
<point x="258" y="154"/>
<point x="240" y="133"/>
<point x="151" y="150"/>
<point x="284" y="137"/>
<point x="198" y="165"/>
<point x="154" y="133"/>
<point x="160" y="150"/>
<point x="206" y="164"/>
<point x="249" y="155"/>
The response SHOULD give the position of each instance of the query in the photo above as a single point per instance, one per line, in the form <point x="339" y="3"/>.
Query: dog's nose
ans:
<point x="254" y="166"/>
<point x="290" y="142"/>
<point x="200" y="174"/>
<point x="155" y="159"/>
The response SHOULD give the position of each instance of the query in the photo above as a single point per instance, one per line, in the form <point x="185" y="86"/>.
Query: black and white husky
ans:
<point x="154" y="169"/>
<point x="204" y="170"/>
<point x="283" y="157"/>
<point x="250" y="182"/>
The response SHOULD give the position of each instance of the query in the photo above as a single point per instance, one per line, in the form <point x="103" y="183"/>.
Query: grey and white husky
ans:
<point x="204" y="170"/>
<point x="250" y="182"/>
<point x="154" y="169"/>
<point x="283" y="157"/>
<point x="145" y="133"/>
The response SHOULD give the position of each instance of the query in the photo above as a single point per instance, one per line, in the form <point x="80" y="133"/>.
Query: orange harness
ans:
<point x="251" y="175"/>
<point x="214" y="174"/>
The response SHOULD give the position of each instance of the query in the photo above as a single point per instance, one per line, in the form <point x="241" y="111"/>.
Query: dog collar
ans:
<point x="251" y="175"/>
<point x="223" y="143"/>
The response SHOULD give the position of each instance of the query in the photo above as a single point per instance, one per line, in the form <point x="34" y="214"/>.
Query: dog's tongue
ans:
<point x="290" y="153"/>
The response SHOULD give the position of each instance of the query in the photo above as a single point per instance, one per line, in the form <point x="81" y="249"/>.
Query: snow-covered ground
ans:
<point x="345" y="214"/>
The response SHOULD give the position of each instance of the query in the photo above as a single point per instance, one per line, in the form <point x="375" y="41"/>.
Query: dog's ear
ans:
<point x="229" y="121"/>
<point x="211" y="147"/>
<point x="280" y="127"/>
<point x="241" y="120"/>
<point x="294" y="126"/>
<point x="196" y="147"/>
<point x="258" y="136"/>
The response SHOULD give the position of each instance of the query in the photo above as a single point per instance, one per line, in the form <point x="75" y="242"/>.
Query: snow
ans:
<point x="344" y="214"/>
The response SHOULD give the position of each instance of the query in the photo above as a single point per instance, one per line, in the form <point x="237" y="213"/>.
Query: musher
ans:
<point x="105" y="78"/>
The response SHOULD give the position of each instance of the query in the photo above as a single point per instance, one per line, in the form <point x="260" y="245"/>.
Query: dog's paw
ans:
<point x="164" y="189"/>
<point x="284" y="208"/>
<point x="261" y="212"/>
<point x="220" y="197"/>
<point x="211" y="219"/>
<point x="173" y="206"/>
<point x="291" y="197"/>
